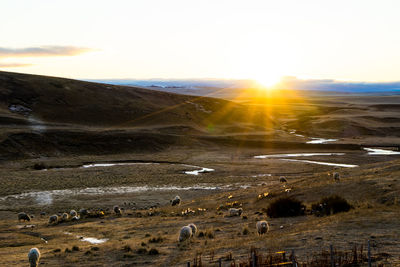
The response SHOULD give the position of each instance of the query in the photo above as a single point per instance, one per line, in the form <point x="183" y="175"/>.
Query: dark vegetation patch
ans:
<point x="330" y="205"/>
<point x="286" y="207"/>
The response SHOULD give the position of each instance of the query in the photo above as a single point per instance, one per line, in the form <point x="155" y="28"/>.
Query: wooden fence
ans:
<point x="358" y="256"/>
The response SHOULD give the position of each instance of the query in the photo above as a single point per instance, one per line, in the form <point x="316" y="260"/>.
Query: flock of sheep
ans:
<point x="186" y="233"/>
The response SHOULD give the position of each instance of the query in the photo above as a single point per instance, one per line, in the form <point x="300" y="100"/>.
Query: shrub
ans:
<point x="157" y="239"/>
<point x="245" y="231"/>
<point x="285" y="207"/>
<point x="153" y="251"/>
<point x="127" y="248"/>
<point x="208" y="233"/>
<point x="330" y="205"/>
<point x="75" y="248"/>
<point x="39" y="166"/>
<point x="141" y="251"/>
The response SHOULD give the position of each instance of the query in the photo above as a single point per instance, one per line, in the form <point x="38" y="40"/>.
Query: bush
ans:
<point x="127" y="248"/>
<point x="153" y="251"/>
<point x="141" y="251"/>
<point x="245" y="231"/>
<point x="157" y="239"/>
<point x="286" y="207"/>
<point x="39" y="166"/>
<point x="330" y="205"/>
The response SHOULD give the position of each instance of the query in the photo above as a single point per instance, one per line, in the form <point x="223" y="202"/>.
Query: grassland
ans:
<point x="42" y="152"/>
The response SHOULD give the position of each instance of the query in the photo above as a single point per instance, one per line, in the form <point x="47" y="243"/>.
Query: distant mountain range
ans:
<point x="230" y="87"/>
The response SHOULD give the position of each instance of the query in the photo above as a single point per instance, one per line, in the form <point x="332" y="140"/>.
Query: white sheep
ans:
<point x="262" y="227"/>
<point x="235" y="212"/>
<point x="194" y="228"/>
<point x="34" y="257"/>
<point x="336" y="176"/>
<point x="53" y="219"/>
<point x="185" y="233"/>
<point x="176" y="201"/>
<point x="75" y="218"/>
<point x="22" y="216"/>
<point x="73" y="213"/>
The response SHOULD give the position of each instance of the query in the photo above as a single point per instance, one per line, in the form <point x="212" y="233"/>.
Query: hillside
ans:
<point x="43" y="115"/>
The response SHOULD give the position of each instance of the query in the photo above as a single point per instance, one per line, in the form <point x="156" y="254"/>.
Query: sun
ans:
<point x="268" y="82"/>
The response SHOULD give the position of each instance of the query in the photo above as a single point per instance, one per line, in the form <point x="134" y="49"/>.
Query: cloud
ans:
<point x="42" y="51"/>
<point x="13" y="65"/>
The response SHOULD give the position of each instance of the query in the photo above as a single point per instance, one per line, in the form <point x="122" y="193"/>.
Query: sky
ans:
<point x="263" y="40"/>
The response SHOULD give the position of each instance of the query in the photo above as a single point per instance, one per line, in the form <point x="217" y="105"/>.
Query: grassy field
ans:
<point x="67" y="124"/>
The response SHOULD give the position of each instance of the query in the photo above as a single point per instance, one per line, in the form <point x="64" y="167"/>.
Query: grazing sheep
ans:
<point x="235" y="212"/>
<point x="336" y="176"/>
<point x="65" y="217"/>
<point x="176" y="201"/>
<point x="282" y="179"/>
<point x="83" y="212"/>
<point x="117" y="210"/>
<point x="73" y="213"/>
<point x="22" y="216"/>
<point x="34" y="257"/>
<point x="75" y="218"/>
<point x="185" y="233"/>
<point x="262" y="227"/>
<point x="53" y="219"/>
<point x="194" y="228"/>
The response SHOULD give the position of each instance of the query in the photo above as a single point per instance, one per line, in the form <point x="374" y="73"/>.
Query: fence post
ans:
<point x="293" y="260"/>
<point x="220" y="262"/>
<point x="332" y="261"/>
<point x="369" y="254"/>
<point x="188" y="264"/>
<point x="254" y="259"/>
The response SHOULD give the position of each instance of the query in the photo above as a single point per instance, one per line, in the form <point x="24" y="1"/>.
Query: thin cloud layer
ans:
<point x="42" y="51"/>
<point x="13" y="65"/>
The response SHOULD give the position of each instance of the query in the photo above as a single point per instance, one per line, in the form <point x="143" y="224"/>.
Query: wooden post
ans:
<point x="293" y="260"/>
<point x="188" y="264"/>
<point x="254" y="259"/>
<point x="369" y="255"/>
<point x="220" y="262"/>
<point x="332" y="261"/>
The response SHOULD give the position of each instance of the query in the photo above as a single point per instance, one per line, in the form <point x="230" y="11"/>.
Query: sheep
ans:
<point x="75" y="218"/>
<point x="83" y="212"/>
<point x="73" y="213"/>
<point x="282" y="179"/>
<point x="117" y="210"/>
<point x="65" y="217"/>
<point x="34" y="257"/>
<point x="193" y="227"/>
<point x="22" y="216"/>
<point x="185" y="233"/>
<point x="235" y="212"/>
<point x="43" y="213"/>
<point x="336" y="176"/>
<point x="262" y="227"/>
<point x="176" y="201"/>
<point x="53" y="219"/>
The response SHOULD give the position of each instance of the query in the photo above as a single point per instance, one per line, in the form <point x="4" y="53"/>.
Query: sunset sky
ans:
<point x="262" y="40"/>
